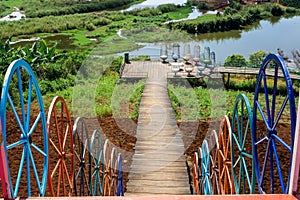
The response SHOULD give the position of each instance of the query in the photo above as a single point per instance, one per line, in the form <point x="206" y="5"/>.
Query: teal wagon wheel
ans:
<point x="97" y="179"/>
<point x="24" y="131"/>
<point x="274" y="121"/>
<point x="205" y="167"/>
<point x="120" y="190"/>
<point x="82" y="160"/>
<point x="241" y="147"/>
<point x="61" y="153"/>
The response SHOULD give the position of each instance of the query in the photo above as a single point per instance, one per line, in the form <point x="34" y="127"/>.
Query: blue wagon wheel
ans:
<point x="97" y="180"/>
<point x="61" y="154"/>
<point x="196" y="173"/>
<point x="241" y="147"/>
<point x="213" y="144"/>
<point x="24" y="131"/>
<point x="82" y="160"/>
<point x="205" y="164"/>
<point x="224" y="161"/>
<point x="272" y="147"/>
<point x="120" y="190"/>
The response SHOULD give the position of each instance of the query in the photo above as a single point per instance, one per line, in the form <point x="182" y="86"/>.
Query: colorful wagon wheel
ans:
<point x="200" y="174"/>
<point x="61" y="154"/>
<point x="26" y="141"/>
<point x="196" y="173"/>
<point x="213" y="144"/>
<point x="120" y="190"/>
<point x="224" y="162"/>
<point x="205" y="164"/>
<point x="241" y="147"/>
<point x="272" y="144"/>
<point x="107" y="169"/>
<point x="97" y="180"/>
<point x="82" y="158"/>
<point x="114" y="172"/>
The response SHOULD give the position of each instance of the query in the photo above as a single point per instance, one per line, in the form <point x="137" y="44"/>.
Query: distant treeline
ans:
<point x="291" y="3"/>
<point x="233" y="17"/>
<point x="56" y="8"/>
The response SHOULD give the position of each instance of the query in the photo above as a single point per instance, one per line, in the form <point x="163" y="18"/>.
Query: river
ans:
<point x="267" y="35"/>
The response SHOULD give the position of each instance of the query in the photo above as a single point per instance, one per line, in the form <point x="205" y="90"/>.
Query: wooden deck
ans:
<point x="251" y="71"/>
<point x="158" y="166"/>
<point x="135" y="69"/>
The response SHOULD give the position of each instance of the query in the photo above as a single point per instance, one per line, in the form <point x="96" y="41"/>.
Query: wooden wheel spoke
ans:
<point x="244" y="166"/>
<point x="263" y="116"/>
<point x="278" y="166"/>
<point x="65" y="137"/>
<point x="67" y="173"/>
<point x="16" y="115"/>
<point x="55" y="168"/>
<point x="280" y="112"/>
<point x="55" y="147"/>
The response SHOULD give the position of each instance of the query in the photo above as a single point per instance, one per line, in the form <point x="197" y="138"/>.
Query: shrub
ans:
<point x="235" y="60"/>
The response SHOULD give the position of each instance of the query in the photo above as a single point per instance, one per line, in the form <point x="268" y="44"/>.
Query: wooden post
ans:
<point x="293" y="184"/>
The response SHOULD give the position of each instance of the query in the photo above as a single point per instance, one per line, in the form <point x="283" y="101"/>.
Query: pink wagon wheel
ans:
<point x="61" y="156"/>
<point x="107" y="168"/>
<point x="114" y="172"/>
<point x="213" y="144"/>
<point x="224" y="162"/>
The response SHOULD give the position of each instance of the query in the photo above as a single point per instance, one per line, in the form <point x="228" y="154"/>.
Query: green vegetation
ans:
<point x="212" y="103"/>
<point x="234" y="17"/>
<point x="291" y="3"/>
<point x="44" y="8"/>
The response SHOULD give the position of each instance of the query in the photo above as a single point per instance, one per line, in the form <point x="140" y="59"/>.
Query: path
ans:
<point x="158" y="166"/>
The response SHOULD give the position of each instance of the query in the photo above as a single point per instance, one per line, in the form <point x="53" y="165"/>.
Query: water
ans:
<point x="155" y="3"/>
<point x="266" y="35"/>
<point x="14" y="16"/>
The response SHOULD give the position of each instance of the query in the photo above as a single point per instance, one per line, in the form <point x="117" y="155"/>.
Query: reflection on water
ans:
<point x="155" y="3"/>
<point x="64" y="42"/>
<point x="267" y="35"/>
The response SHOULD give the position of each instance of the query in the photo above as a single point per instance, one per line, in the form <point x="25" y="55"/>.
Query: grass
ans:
<point x="80" y="38"/>
<point x="11" y="4"/>
<point x="204" y="103"/>
<point x="181" y="13"/>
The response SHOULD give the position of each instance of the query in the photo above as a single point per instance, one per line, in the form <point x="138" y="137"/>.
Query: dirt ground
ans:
<point x="123" y="136"/>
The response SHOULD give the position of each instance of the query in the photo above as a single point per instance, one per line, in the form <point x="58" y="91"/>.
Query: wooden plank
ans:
<point x="158" y="159"/>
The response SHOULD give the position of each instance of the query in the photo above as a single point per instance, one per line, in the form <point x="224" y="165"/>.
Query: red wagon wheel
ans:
<point x="107" y="169"/>
<point x="214" y="170"/>
<point x="61" y="156"/>
<point x="196" y="173"/>
<point x="224" y="162"/>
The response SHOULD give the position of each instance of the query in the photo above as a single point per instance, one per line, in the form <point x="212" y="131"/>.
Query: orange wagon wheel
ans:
<point x="213" y="143"/>
<point x="196" y="173"/>
<point x="61" y="154"/>
<point x="224" y="161"/>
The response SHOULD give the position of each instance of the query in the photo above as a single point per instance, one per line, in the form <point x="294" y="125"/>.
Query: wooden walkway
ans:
<point x="158" y="166"/>
<point x="251" y="71"/>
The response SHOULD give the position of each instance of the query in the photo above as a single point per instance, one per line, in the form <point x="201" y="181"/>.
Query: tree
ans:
<point x="235" y="60"/>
